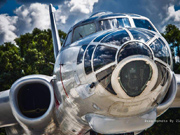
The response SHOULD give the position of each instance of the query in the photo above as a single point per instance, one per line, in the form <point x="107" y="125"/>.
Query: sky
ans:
<point x="18" y="17"/>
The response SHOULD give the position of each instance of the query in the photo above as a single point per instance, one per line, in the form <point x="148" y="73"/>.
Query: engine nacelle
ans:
<point x="32" y="102"/>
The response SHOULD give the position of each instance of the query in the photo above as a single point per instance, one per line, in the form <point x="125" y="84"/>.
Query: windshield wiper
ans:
<point x="80" y="35"/>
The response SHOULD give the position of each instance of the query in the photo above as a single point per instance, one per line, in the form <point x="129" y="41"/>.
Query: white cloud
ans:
<point x="36" y="15"/>
<point x="70" y="12"/>
<point x="27" y="18"/>
<point x="7" y="28"/>
<point x="84" y="6"/>
<point x="172" y="14"/>
<point x="173" y="17"/>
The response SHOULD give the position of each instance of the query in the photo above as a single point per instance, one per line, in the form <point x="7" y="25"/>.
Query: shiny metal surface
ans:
<point x="169" y="98"/>
<point x="112" y="125"/>
<point x="55" y="35"/>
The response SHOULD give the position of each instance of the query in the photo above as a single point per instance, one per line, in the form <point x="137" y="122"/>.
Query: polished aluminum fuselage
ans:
<point x="78" y="102"/>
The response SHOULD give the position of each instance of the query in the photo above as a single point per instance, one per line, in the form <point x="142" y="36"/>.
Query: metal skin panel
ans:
<point x="168" y="100"/>
<point x="120" y="125"/>
<point x="80" y="102"/>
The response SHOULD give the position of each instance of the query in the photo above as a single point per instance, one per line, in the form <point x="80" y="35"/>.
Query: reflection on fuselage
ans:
<point x="117" y="45"/>
<point x="92" y="83"/>
<point x="103" y="55"/>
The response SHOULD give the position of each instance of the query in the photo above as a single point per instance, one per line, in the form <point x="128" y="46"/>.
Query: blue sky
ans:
<point x="20" y="16"/>
<point x="8" y="7"/>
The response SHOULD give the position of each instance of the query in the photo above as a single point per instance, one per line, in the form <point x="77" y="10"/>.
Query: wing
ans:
<point x="6" y="116"/>
<point x="176" y="102"/>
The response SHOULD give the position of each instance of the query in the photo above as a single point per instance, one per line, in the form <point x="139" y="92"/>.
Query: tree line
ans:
<point x="32" y="53"/>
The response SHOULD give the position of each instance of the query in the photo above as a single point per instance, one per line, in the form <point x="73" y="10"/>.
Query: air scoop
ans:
<point x="136" y="73"/>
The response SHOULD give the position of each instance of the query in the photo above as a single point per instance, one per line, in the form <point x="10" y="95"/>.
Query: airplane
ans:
<point x="113" y="74"/>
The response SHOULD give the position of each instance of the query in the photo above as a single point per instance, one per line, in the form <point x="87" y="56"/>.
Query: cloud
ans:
<point x="33" y="16"/>
<point x="83" y="6"/>
<point x="36" y="15"/>
<point x="172" y="14"/>
<point x="70" y="12"/>
<point x="7" y="28"/>
<point x="27" y="18"/>
<point x="173" y="17"/>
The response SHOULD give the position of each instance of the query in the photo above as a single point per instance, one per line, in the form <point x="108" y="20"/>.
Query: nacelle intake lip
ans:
<point x="45" y="80"/>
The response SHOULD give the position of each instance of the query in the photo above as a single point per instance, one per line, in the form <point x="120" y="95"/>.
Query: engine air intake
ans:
<point x="33" y="100"/>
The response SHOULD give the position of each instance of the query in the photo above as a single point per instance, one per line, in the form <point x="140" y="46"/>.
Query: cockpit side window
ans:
<point x="68" y="39"/>
<point x="142" y="23"/>
<point x="83" y="31"/>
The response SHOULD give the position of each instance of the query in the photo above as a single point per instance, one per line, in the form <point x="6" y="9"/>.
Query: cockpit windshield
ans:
<point x="83" y="31"/>
<point x="93" y="25"/>
<point x="114" y="23"/>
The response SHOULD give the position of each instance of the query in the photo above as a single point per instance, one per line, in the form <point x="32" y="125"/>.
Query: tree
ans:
<point x="172" y="35"/>
<point x="32" y="54"/>
<point x="10" y="64"/>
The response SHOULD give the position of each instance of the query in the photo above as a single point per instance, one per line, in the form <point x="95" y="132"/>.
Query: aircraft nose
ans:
<point x="135" y="72"/>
